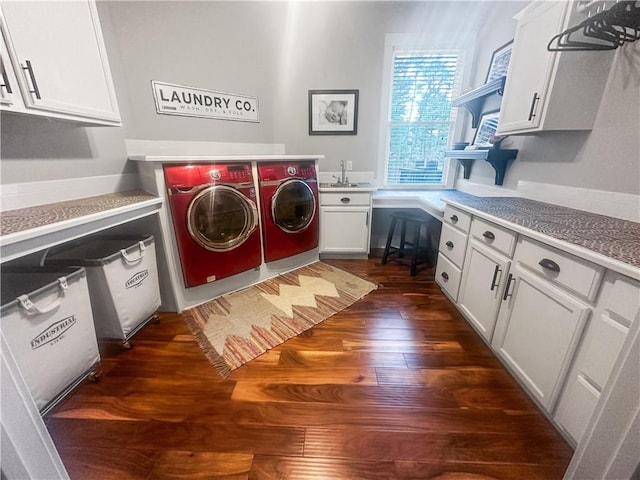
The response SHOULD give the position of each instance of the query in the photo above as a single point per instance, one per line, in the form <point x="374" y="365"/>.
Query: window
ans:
<point x="420" y="122"/>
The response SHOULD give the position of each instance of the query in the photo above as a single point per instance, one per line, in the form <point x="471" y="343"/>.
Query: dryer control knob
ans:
<point x="291" y="170"/>
<point x="215" y="174"/>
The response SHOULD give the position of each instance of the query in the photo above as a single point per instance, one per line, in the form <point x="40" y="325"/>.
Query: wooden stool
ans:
<point x="416" y="221"/>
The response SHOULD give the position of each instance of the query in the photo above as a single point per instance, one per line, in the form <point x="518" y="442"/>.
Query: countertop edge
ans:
<point x="572" y="248"/>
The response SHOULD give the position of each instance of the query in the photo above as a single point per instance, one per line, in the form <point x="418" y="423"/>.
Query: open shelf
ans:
<point x="498" y="159"/>
<point x="474" y="100"/>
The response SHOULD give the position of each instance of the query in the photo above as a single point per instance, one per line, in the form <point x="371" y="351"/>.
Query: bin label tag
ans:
<point x="136" y="279"/>
<point x="54" y="332"/>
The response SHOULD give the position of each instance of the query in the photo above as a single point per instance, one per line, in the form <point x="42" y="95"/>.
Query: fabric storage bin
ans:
<point x="47" y="321"/>
<point x="123" y="282"/>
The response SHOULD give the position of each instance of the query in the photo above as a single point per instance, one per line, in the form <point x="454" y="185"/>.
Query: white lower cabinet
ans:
<point x="485" y="273"/>
<point x="558" y="322"/>
<point x="537" y="332"/>
<point x="345" y="223"/>
<point x="618" y="307"/>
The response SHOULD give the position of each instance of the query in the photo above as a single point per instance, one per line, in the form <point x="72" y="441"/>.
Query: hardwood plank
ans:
<point x="93" y="462"/>
<point x="303" y="358"/>
<point x="445" y="377"/>
<point x="174" y="465"/>
<point x="317" y="468"/>
<point x="475" y="471"/>
<point x="376" y="445"/>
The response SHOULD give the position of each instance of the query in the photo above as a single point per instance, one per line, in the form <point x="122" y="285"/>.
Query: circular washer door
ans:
<point x="293" y="206"/>
<point x="220" y="218"/>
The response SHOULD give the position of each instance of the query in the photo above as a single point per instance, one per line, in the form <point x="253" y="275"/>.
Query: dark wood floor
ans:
<point x="397" y="386"/>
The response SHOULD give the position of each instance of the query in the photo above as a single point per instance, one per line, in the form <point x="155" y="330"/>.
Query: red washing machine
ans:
<point x="215" y="220"/>
<point x="289" y="199"/>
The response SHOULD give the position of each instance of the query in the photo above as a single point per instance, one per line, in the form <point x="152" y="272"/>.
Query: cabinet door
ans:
<point x="9" y="90"/>
<point x="60" y="59"/>
<point x="530" y="67"/>
<point x="537" y="332"/>
<point x="344" y="229"/>
<point x="485" y="273"/>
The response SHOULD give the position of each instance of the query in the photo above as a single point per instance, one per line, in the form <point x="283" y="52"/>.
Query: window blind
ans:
<point x="421" y="117"/>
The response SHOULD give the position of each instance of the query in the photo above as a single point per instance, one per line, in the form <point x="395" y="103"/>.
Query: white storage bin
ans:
<point x="47" y="321"/>
<point x="123" y="281"/>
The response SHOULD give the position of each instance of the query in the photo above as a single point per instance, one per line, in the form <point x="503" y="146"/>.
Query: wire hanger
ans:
<point x="607" y="30"/>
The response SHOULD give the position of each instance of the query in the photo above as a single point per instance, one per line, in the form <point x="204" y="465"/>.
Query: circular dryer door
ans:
<point x="220" y="218"/>
<point x="293" y="206"/>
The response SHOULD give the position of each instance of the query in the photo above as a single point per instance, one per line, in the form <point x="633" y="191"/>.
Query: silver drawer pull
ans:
<point x="449" y="244"/>
<point x="549" y="265"/>
<point x="506" y="290"/>
<point x="489" y="235"/>
<point x="29" y="70"/>
<point x="345" y="199"/>
<point x="453" y="218"/>
<point x="444" y="275"/>
<point x="495" y="276"/>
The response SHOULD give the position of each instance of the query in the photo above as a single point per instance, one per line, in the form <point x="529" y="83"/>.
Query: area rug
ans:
<point x="236" y="328"/>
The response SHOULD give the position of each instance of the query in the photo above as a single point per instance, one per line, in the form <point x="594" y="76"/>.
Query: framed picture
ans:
<point x="333" y="112"/>
<point x="486" y="128"/>
<point x="499" y="62"/>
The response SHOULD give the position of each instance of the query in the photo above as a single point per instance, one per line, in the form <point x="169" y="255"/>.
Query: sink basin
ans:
<point x="339" y="185"/>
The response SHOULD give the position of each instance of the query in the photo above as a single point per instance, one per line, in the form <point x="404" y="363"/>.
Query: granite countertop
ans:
<point x="21" y="219"/>
<point x="612" y="237"/>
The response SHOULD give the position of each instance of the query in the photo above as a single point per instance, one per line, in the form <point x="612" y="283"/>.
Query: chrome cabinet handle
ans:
<point x="5" y="81"/>
<point x="535" y="99"/>
<point x="449" y="244"/>
<point x="453" y="218"/>
<point x="367" y="222"/>
<point x="549" y="265"/>
<point x="29" y="70"/>
<point x="345" y="199"/>
<point x="489" y="235"/>
<point x="506" y="290"/>
<point x="444" y="275"/>
<point x="495" y="276"/>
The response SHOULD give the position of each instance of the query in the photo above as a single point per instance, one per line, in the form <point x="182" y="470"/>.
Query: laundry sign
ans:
<point x="196" y="102"/>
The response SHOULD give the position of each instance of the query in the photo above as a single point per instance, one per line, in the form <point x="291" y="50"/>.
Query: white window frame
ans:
<point x="420" y="42"/>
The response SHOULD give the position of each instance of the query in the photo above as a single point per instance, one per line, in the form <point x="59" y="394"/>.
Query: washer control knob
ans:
<point x="291" y="170"/>
<point x="215" y="174"/>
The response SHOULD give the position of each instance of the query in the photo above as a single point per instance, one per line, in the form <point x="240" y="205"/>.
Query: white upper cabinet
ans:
<point x="551" y="90"/>
<point x="60" y="61"/>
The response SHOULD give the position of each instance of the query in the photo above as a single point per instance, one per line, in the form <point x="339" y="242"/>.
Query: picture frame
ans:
<point x="499" y="65"/>
<point x="333" y="112"/>
<point x="487" y="127"/>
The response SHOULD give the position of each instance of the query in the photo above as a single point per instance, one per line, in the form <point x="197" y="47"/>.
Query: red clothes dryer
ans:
<point x="215" y="220"/>
<point x="289" y="200"/>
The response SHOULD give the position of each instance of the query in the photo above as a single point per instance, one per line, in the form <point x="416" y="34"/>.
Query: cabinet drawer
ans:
<point x="453" y="244"/>
<point x="345" y="198"/>
<point x="448" y="276"/>
<point x="457" y="218"/>
<point x="496" y="237"/>
<point x="573" y="273"/>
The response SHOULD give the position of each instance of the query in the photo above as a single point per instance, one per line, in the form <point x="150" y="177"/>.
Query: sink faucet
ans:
<point x="343" y="178"/>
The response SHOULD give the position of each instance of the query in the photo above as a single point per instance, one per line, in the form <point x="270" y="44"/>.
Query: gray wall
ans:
<point x="278" y="51"/>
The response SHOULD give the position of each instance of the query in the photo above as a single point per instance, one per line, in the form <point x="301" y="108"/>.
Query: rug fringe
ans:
<point x="212" y="355"/>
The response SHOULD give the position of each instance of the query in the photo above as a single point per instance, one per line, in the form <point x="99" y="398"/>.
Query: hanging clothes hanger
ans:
<point x="607" y="30"/>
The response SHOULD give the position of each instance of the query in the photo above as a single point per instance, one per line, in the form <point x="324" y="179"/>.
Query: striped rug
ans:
<point x="236" y="328"/>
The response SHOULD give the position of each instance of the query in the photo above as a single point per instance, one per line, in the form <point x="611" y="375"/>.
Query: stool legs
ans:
<point x="416" y="249"/>
<point x="389" y="239"/>
<point x="403" y="235"/>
